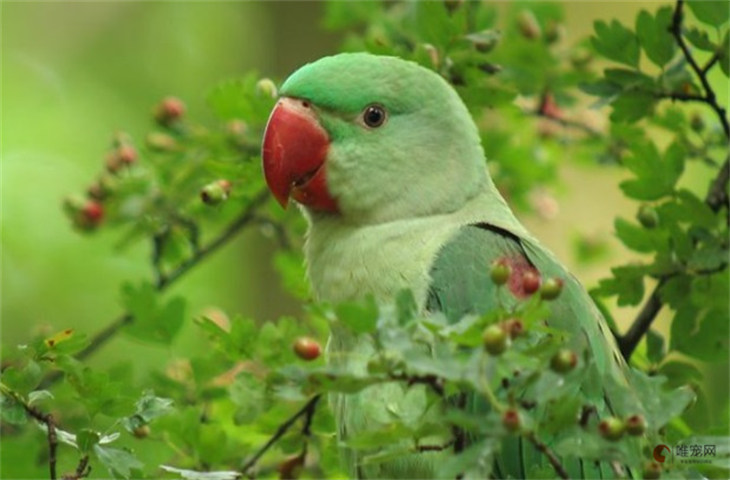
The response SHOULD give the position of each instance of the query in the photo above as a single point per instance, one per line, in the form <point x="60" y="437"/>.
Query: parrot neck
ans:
<point x="347" y="261"/>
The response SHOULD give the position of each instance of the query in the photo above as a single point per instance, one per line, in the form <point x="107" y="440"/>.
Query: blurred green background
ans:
<point x="75" y="73"/>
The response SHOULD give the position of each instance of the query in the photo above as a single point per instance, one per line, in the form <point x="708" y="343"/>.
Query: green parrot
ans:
<point x="386" y="163"/>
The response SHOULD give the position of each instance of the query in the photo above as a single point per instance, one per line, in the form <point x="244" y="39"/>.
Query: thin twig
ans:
<point x="165" y="281"/>
<point x="307" y="410"/>
<point x="552" y="458"/>
<point x="44" y="418"/>
<point x="434" y="448"/>
<point x="716" y="198"/>
<point x="710" y="97"/>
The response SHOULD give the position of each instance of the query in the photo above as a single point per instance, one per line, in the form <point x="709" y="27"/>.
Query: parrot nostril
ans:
<point x="305" y="104"/>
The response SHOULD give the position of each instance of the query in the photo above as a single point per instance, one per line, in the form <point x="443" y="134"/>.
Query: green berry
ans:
<point x="161" y="142"/>
<point x="648" y="216"/>
<point x="142" y="431"/>
<point x="216" y="192"/>
<point x="528" y="25"/>
<point x="500" y="272"/>
<point x="564" y="361"/>
<point x="696" y="122"/>
<point x="551" y="288"/>
<point x="307" y="348"/>
<point x="636" y="425"/>
<point x="495" y="339"/>
<point x="611" y="428"/>
<point x="511" y="420"/>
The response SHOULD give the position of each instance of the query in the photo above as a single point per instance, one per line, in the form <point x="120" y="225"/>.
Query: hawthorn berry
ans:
<point x="611" y="428"/>
<point x="530" y="282"/>
<point x="511" y="420"/>
<point x="215" y="192"/>
<point x="651" y="471"/>
<point x="564" y="361"/>
<point x="169" y="110"/>
<point x="307" y="348"/>
<point x="636" y="425"/>
<point x="551" y="288"/>
<point x="142" y="431"/>
<point x="647" y="216"/>
<point x="495" y="339"/>
<point x="514" y="327"/>
<point x="500" y="272"/>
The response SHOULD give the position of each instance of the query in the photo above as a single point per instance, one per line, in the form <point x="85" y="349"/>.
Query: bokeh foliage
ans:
<point x="190" y="186"/>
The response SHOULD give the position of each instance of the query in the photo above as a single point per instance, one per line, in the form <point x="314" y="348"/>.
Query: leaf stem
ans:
<point x="552" y="458"/>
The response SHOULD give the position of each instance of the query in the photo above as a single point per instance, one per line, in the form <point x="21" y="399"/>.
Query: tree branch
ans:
<point x="552" y="458"/>
<point x="164" y="281"/>
<point x="44" y="418"/>
<point x="710" y="98"/>
<point x="716" y="198"/>
<point x="307" y="411"/>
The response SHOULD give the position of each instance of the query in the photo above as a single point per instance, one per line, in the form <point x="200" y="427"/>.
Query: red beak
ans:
<point x="294" y="153"/>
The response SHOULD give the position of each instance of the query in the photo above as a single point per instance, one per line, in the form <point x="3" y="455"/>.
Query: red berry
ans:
<point x="307" y="348"/>
<point x="169" y="110"/>
<point x="551" y="288"/>
<point x="127" y="154"/>
<point x="93" y="211"/>
<point x="511" y="420"/>
<point x="514" y="327"/>
<point x="530" y="282"/>
<point x="636" y="425"/>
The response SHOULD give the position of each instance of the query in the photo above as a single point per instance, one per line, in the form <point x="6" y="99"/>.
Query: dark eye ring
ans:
<point x="374" y="116"/>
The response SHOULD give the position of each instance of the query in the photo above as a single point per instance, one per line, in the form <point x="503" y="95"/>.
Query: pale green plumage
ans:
<point x="408" y="193"/>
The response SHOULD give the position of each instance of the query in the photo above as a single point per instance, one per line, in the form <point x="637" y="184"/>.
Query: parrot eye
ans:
<point x="373" y="116"/>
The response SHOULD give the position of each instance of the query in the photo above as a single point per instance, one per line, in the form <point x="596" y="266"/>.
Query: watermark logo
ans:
<point x="659" y="453"/>
<point x="685" y="453"/>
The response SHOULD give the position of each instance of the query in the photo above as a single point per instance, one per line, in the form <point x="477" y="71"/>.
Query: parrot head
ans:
<point x="371" y="139"/>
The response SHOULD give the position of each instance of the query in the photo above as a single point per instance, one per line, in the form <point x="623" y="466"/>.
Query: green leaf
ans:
<point x="703" y="335"/>
<point x="723" y="55"/>
<point x="680" y="373"/>
<point x="713" y="13"/>
<point x="118" y="462"/>
<point x="632" y="106"/>
<point x="22" y="379"/>
<point x="657" y="175"/>
<point x="654" y="36"/>
<point x="700" y="39"/>
<point x="153" y="322"/>
<point x="627" y="283"/>
<point x="240" y="99"/>
<point x="360" y="317"/>
<point x="654" y="346"/>
<point x="635" y="237"/>
<point x="12" y="412"/>
<point x="86" y="440"/>
<point x="38" y="396"/>
<point x="616" y="42"/>
<point x="148" y="407"/>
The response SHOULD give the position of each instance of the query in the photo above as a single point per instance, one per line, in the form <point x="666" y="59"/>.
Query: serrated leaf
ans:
<point x="616" y="42"/>
<point x="700" y="39"/>
<point x="117" y="461"/>
<point x="713" y="13"/>
<point x="660" y="404"/>
<point x="654" y="36"/>
<point x="634" y="236"/>
<point x="627" y="283"/>
<point x="240" y="99"/>
<point x="23" y="379"/>
<point x="153" y="321"/>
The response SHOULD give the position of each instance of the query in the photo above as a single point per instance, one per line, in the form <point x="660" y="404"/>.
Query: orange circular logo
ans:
<point x="659" y="453"/>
